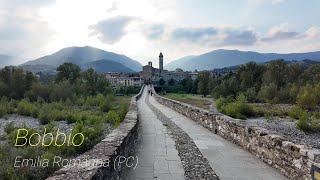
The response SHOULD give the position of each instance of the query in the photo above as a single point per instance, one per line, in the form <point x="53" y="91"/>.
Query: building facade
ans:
<point x="151" y="74"/>
<point x="124" y="79"/>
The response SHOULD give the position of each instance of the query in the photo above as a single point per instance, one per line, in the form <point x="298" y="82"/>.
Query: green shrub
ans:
<point x="11" y="106"/>
<point x="26" y="108"/>
<point x="58" y="115"/>
<point x="220" y="102"/>
<point x="71" y="118"/>
<point x="307" y="97"/>
<point x="239" y="109"/>
<point x="123" y="111"/>
<point x="303" y="122"/>
<point x="251" y="94"/>
<point x="91" y="137"/>
<point x="9" y="127"/>
<point x="105" y="106"/>
<point x="45" y="115"/>
<point x="315" y="124"/>
<point x="232" y="111"/>
<point x="316" y="115"/>
<point x="113" y="118"/>
<point x="40" y="101"/>
<point x="296" y="112"/>
<point x="3" y="111"/>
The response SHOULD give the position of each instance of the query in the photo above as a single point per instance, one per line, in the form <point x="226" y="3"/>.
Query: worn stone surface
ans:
<point x="98" y="163"/>
<point x="196" y="166"/>
<point x="155" y="149"/>
<point x="292" y="160"/>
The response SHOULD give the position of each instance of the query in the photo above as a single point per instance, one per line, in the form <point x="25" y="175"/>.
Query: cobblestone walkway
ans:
<point x="158" y="157"/>
<point x="229" y="161"/>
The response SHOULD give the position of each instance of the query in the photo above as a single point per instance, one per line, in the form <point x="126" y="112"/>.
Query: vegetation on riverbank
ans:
<point x="82" y="98"/>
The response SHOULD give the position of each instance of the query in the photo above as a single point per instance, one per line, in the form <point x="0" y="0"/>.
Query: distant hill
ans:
<point x="39" y="68"/>
<point x="225" y="58"/>
<point x="102" y="66"/>
<point x="304" y="63"/>
<point x="83" y="55"/>
<point x="179" y="63"/>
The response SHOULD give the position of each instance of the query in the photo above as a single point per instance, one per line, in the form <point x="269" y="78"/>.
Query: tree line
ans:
<point x="276" y="82"/>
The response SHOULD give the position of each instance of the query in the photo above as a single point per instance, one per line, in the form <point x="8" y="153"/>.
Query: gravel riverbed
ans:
<point x="30" y="122"/>
<point x="288" y="129"/>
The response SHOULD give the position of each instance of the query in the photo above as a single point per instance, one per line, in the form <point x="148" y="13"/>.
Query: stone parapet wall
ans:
<point x="292" y="160"/>
<point x="98" y="163"/>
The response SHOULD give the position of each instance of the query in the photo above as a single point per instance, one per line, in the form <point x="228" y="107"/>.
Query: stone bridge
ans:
<point x="168" y="139"/>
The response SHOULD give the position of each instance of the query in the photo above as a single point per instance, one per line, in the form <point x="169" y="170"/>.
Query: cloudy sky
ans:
<point x="141" y="29"/>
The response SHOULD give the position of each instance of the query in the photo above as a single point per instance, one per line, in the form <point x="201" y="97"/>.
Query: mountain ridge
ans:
<point x="102" y="66"/>
<point x="82" y="55"/>
<point x="223" y="58"/>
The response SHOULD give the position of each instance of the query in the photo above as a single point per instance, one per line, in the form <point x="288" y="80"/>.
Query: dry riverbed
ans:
<point x="288" y="129"/>
<point x="29" y="122"/>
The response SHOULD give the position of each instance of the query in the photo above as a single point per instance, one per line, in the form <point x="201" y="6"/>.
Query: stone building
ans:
<point x="151" y="74"/>
<point x="124" y="79"/>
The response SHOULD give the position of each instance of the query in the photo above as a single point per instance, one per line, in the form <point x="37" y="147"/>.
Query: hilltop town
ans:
<point x="148" y="75"/>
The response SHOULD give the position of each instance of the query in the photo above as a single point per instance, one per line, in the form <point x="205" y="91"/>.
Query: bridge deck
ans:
<point x="229" y="161"/>
<point x="158" y="157"/>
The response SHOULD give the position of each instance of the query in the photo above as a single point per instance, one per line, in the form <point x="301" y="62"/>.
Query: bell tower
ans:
<point x="161" y="61"/>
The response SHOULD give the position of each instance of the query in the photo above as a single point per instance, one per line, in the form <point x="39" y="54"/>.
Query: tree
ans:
<point x="187" y="84"/>
<point x="18" y="86"/>
<point x="250" y="75"/>
<point x="293" y="71"/>
<point x="61" y="91"/>
<point x="103" y="86"/>
<point x="203" y="86"/>
<point x="312" y="74"/>
<point x="90" y="78"/>
<point x="161" y="82"/>
<point x="68" y="71"/>
<point x="275" y="73"/>
<point x="195" y="86"/>
<point x="171" y="82"/>
<point x="29" y="80"/>
<point x="268" y="93"/>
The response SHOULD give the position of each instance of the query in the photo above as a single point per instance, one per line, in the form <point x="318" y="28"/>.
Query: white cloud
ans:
<point x="313" y="32"/>
<point x="280" y="32"/>
<point x="154" y="31"/>
<point x="111" y="30"/>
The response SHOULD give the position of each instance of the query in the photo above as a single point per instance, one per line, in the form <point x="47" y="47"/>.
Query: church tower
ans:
<point x="161" y="61"/>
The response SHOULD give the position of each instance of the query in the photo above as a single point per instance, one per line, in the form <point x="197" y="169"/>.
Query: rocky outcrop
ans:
<point x="292" y="160"/>
<point x="101" y="161"/>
